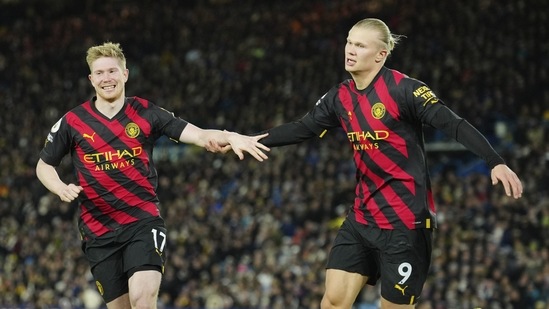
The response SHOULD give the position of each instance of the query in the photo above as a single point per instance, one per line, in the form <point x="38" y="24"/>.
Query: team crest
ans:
<point x="378" y="110"/>
<point x="132" y="130"/>
<point x="99" y="287"/>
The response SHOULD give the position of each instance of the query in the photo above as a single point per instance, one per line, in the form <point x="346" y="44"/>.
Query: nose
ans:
<point x="350" y="52"/>
<point x="349" y="49"/>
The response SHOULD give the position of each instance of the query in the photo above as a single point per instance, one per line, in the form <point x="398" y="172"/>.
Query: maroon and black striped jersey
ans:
<point x="112" y="160"/>
<point x="383" y="123"/>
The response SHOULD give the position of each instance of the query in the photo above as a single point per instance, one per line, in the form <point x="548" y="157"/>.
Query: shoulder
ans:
<point x="399" y="78"/>
<point x="144" y="107"/>
<point x="346" y="85"/>
<point x="330" y="96"/>
<point x="396" y="74"/>
<point x="78" y="113"/>
<point x="139" y="102"/>
<point x="404" y="82"/>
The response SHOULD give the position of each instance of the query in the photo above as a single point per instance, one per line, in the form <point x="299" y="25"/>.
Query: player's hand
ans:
<point x="215" y="147"/>
<point x="510" y="181"/>
<point x="70" y="192"/>
<point x="243" y="143"/>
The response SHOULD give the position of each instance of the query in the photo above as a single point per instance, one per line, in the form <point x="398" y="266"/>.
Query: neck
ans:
<point x="109" y="108"/>
<point x="364" y="79"/>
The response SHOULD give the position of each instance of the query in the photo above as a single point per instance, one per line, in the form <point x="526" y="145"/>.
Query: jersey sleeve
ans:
<point x="323" y="114"/>
<point x="58" y="143"/>
<point x="167" y="123"/>
<point x="288" y="133"/>
<point x="426" y="107"/>
<point x="314" y="123"/>
<point x="421" y="103"/>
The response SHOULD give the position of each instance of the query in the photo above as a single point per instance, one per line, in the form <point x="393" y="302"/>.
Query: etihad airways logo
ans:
<point x="367" y="140"/>
<point x="111" y="160"/>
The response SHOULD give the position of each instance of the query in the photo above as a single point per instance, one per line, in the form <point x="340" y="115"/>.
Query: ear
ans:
<point x="126" y="74"/>
<point x="381" y="55"/>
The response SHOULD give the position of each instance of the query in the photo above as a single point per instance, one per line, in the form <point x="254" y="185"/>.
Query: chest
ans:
<point x="110" y="139"/>
<point x="371" y="113"/>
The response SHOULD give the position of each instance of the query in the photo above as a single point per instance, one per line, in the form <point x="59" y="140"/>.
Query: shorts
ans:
<point x="399" y="258"/>
<point x="116" y="256"/>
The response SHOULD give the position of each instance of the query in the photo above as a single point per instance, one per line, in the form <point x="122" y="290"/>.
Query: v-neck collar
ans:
<point x="372" y="83"/>
<point x="121" y="111"/>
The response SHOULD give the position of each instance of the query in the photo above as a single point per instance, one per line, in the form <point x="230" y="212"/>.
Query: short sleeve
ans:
<point x="167" y="123"/>
<point x="57" y="144"/>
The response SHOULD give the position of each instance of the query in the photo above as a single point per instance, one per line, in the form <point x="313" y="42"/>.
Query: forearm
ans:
<point x="473" y="140"/>
<point x="201" y="137"/>
<point x="287" y="134"/>
<point x="222" y="141"/>
<point x="463" y="132"/>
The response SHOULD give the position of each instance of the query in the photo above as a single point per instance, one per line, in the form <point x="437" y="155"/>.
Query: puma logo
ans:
<point x="86" y="135"/>
<point x="398" y="287"/>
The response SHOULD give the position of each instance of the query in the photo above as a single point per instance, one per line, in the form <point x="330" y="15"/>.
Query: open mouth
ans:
<point x="350" y="62"/>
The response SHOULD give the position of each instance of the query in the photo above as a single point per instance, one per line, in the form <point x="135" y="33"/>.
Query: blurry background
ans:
<point x="245" y="234"/>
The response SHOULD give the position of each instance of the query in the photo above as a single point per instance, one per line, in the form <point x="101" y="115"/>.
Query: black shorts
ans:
<point x="116" y="256"/>
<point x="399" y="258"/>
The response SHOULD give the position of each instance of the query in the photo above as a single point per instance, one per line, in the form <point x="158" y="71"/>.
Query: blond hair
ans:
<point x="107" y="49"/>
<point x="389" y="39"/>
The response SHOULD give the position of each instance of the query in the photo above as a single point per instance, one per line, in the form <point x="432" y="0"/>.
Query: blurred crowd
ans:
<point x="244" y="234"/>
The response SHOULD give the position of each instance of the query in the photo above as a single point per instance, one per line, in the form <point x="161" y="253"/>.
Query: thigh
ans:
<point x="349" y="253"/>
<point x="144" y="287"/>
<point x="109" y="274"/>
<point x="342" y="288"/>
<point x="404" y="262"/>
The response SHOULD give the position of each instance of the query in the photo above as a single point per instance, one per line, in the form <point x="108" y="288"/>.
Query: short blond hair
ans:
<point x="107" y="49"/>
<point x="389" y="39"/>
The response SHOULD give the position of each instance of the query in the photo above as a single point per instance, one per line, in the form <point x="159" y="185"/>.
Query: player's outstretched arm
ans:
<point x="510" y="181"/>
<point x="48" y="176"/>
<point x="222" y="141"/>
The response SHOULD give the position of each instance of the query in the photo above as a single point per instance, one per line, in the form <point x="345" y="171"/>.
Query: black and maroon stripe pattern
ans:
<point x="393" y="187"/>
<point x="113" y="162"/>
